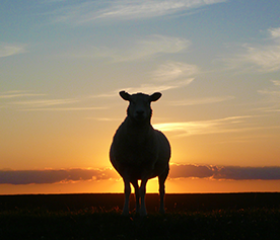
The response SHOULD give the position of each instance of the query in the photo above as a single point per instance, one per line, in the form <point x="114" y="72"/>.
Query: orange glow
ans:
<point x="60" y="104"/>
<point x="188" y="185"/>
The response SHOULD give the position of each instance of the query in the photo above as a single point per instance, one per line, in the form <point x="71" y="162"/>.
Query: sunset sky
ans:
<point x="63" y="62"/>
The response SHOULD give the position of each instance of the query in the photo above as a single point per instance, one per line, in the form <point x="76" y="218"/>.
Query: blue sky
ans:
<point x="62" y="64"/>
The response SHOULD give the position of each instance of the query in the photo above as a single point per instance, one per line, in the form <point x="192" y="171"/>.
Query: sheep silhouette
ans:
<point x="139" y="152"/>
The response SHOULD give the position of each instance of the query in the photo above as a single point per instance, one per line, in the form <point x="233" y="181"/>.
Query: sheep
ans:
<point x="139" y="152"/>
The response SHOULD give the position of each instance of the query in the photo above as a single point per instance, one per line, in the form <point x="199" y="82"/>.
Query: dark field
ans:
<point x="98" y="216"/>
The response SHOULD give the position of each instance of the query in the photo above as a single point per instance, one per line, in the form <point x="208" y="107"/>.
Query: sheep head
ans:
<point x="139" y="108"/>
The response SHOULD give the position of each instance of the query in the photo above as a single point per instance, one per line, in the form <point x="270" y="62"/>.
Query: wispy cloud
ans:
<point x="200" y="101"/>
<point x="157" y="44"/>
<point x="18" y="94"/>
<point x="275" y="33"/>
<point x="53" y="1"/>
<point x="26" y="101"/>
<point x="151" y="88"/>
<point x="142" y="49"/>
<point x="7" y="50"/>
<point x="174" y="70"/>
<point x="274" y="93"/>
<point x="44" y="102"/>
<point x="91" y="11"/>
<point x="158" y="84"/>
<point x="49" y="176"/>
<point x="276" y="82"/>
<point x="223" y="125"/>
<point x="265" y="58"/>
<point x="104" y="119"/>
<point x="146" y="88"/>
<point x="272" y="97"/>
<point x="63" y="109"/>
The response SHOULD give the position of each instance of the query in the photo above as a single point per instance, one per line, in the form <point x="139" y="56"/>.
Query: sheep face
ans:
<point x="139" y="108"/>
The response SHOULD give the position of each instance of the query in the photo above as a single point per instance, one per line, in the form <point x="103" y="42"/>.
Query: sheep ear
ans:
<point x="155" y="96"/>
<point x="125" y="95"/>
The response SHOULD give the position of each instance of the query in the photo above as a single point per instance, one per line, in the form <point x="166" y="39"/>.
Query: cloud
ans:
<point x="174" y="70"/>
<point x="274" y="33"/>
<point x="156" y="44"/>
<point x="44" y="102"/>
<point x="46" y="105"/>
<point x="59" y="104"/>
<point x="146" y="88"/>
<point x="276" y="82"/>
<point x="151" y="88"/>
<point x="50" y="105"/>
<point x="91" y="11"/>
<point x="248" y="173"/>
<point x="18" y="94"/>
<point x="199" y="101"/>
<point x="54" y="176"/>
<point x="104" y="119"/>
<point x="272" y="97"/>
<point x="224" y="172"/>
<point x="53" y="1"/>
<point x="142" y="49"/>
<point x="110" y="94"/>
<point x="49" y="176"/>
<point x="222" y="125"/>
<point x="264" y="58"/>
<point x="270" y="92"/>
<point x="190" y="170"/>
<point x="7" y="50"/>
<point x="63" y="109"/>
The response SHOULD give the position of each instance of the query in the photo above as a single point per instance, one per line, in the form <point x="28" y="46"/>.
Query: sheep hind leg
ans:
<point x="136" y="190"/>
<point x="127" y="191"/>
<point x="142" y="190"/>
<point x="161" y="179"/>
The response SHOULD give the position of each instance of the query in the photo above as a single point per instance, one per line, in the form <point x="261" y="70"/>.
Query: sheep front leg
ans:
<point x="161" y="180"/>
<point x="143" y="211"/>
<point x="136" y="190"/>
<point x="127" y="191"/>
<point x="161" y="192"/>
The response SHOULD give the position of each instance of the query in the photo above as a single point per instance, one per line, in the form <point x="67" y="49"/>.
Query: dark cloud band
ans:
<point x="54" y="176"/>
<point x="18" y="177"/>
<point x="226" y="172"/>
<point x="248" y="173"/>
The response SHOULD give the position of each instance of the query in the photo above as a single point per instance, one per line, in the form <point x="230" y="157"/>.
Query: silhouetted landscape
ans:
<point x="98" y="216"/>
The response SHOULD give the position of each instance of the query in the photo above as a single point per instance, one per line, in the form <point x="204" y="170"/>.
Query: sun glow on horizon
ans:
<point x="61" y="74"/>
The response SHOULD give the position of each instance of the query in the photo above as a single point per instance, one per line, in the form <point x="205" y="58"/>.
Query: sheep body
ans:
<point x="139" y="152"/>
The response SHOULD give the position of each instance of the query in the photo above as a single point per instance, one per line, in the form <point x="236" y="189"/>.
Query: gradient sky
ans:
<point x="62" y="64"/>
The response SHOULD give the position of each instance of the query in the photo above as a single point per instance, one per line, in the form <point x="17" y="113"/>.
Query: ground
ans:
<point x="189" y="216"/>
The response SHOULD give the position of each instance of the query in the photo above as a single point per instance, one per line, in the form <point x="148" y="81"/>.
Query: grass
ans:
<point x="101" y="222"/>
